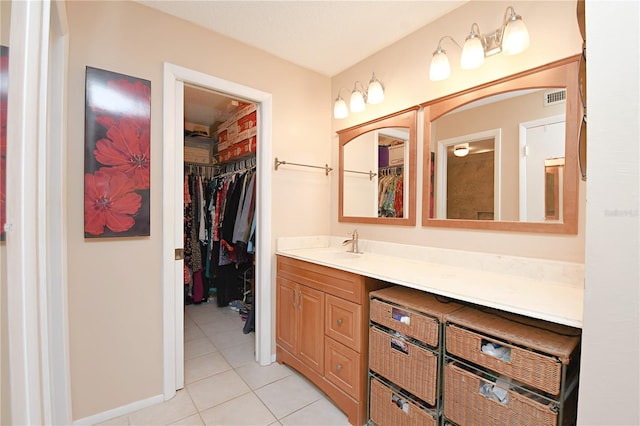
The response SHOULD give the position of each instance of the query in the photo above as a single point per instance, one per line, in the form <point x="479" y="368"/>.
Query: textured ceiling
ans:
<point x="325" y="36"/>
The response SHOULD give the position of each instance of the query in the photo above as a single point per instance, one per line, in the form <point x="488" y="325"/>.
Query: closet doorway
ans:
<point x="175" y="78"/>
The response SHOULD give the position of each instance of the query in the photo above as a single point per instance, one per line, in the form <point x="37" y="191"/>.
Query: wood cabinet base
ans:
<point x="322" y="322"/>
<point x="355" y="411"/>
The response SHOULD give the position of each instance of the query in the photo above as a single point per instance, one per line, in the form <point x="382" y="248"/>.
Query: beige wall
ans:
<point x="115" y="303"/>
<point x="403" y="68"/>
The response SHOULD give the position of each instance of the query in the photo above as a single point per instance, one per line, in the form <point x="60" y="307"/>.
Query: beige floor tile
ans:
<point x="192" y="333"/>
<point x="288" y="395"/>
<point x="227" y="339"/>
<point x="194" y="420"/>
<point x="118" y="421"/>
<point x="222" y="325"/>
<point x="245" y="410"/>
<point x="178" y="407"/>
<point x="241" y="354"/>
<point x="204" y="366"/>
<point x="217" y="389"/>
<point x="197" y="347"/>
<point x="258" y="376"/>
<point x="321" y="412"/>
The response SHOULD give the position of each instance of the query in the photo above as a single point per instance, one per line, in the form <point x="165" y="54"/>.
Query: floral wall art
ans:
<point x="117" y="148"/>
<point x="4" y="85"/>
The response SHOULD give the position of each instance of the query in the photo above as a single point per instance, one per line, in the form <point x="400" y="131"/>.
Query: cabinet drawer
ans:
<point x="407" y="365"/>
<point x="471" y="399"/>
<point x="345" y="285"/>
<point x="342" y="367"/>
<point x="343" y="322"/>
<point x="538" y="370"/>
<point x="413" y="324"/>
<point x="391" y="407"/>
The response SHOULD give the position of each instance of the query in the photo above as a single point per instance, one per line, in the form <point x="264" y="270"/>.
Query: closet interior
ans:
<point x="220" y="138"/>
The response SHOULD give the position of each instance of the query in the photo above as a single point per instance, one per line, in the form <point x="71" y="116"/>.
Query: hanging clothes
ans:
<point x="391" y="192"/>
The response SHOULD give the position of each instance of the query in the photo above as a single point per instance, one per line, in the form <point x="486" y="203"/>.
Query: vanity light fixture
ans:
<point x="461" y="150"/>
<point x="373" y="94"/>
<point x="511" y="38"/>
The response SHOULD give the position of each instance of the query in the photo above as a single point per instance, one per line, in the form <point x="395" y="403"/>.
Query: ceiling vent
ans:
<point x="555" y="96"/>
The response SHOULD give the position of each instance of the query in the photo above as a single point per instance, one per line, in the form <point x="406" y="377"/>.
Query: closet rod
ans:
<point x="370" y="173"/>
<point x="391" y="169"/>
<point x="326" y="168"/>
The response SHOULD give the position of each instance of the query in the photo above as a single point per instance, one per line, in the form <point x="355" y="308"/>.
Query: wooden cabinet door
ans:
<point x="311" y="327"/>
<point x="286" y="314"/>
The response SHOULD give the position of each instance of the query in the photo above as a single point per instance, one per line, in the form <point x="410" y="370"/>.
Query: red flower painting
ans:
<point x="126" y="148"/>
<point x="117" y="155"/>
<point x="109" y="201"/>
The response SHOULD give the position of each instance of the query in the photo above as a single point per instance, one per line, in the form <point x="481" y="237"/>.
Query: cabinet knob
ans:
<point x="339" y="322"/>
<point x="293" y="298"/>
<point x="338" y="367"/>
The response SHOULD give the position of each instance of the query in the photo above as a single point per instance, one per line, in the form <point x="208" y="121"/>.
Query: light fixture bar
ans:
<point x="373" y="94"/>
<point x="512" y="37"/>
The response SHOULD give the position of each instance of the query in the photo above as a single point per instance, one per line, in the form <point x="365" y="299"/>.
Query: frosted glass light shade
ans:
<point x="516" y="36"/>
<point x="440" y="68"/>
<point x="357" y="101"/>
<point x="461" y="150"/>
<point x="375" y="91"/>
<point x="472" y="53"/>
<point x="340" y="108"/>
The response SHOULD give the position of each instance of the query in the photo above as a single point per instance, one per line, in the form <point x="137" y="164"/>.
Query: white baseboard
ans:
<point x="120" y="411"/>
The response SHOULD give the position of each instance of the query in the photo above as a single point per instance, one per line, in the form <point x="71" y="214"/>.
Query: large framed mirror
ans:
<point x="377" y="170"/>
<point x="503" y="156"/>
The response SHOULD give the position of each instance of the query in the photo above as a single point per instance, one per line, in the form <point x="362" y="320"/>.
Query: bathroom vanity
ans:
<point x="323" y="301"/>
<point x="322" y="329"/>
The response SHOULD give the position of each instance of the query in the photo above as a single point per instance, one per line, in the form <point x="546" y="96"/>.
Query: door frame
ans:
<point x="36" y="215"/>
<point x="172" y="222"/>
<point x="523" y="128"/>
<point x="441" y="169"/>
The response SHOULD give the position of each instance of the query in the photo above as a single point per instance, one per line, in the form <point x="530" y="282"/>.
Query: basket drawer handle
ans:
<point x="400" y="403"/>
<point x="495" y="350"/>
<point x="401" y="316"/>
<point x="399" y="345"/>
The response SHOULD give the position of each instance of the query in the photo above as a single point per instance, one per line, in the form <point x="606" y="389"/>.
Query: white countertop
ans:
<point x="543" y="289"/>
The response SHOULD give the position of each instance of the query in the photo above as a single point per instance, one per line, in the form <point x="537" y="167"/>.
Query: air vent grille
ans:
<point x="556" y="96"/>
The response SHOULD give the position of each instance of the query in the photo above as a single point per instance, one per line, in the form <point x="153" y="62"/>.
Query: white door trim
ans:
<point x="173" y="217"/>
<point x="56" y="218"/>
<point x="36" y="237"/>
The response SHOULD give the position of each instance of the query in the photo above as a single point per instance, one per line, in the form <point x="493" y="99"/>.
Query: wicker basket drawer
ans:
<point x="407" y="365"/>
<point x="465" y="402"/>
<point x="538" y="370"/>
<point x="413" y="324"/>
<point x="391" y="408"/>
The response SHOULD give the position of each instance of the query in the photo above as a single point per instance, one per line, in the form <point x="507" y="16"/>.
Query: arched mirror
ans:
<point x="503" y="155"/>
<point x="377" y="172"/>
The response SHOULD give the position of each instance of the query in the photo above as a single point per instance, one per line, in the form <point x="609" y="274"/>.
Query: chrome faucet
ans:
<point x="354" y="242"/>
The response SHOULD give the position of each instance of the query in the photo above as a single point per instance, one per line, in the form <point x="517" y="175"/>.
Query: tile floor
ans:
<point x="225" y="386"/>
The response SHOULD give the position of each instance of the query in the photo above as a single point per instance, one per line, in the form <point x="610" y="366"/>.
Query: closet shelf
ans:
<point x="279" y="163"/>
